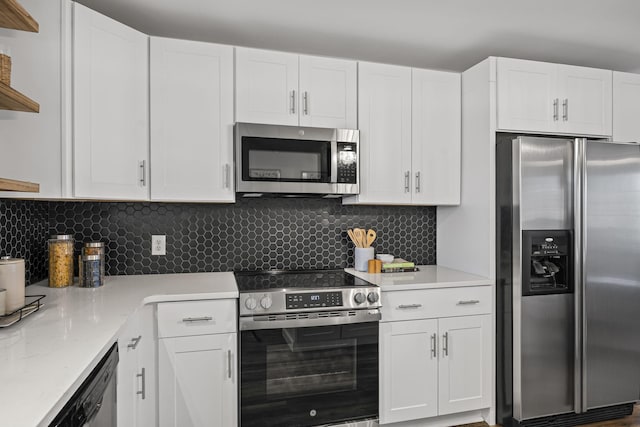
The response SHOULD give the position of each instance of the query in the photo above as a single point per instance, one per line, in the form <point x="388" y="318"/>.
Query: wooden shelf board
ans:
<point x="14" y="16"/>
<point x="13" y="185"/>
<point x="11" y="99"/>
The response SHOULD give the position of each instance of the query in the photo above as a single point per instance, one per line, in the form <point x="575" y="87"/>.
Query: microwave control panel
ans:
<point x="347" y="162"/>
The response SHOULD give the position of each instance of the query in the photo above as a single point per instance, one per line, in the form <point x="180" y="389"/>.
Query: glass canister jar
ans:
<point x="60" y="260"/>
<point x="91" y="275"/>
<point x="95" y="248"/>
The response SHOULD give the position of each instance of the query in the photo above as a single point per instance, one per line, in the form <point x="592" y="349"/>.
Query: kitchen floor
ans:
<point x="631" y="421"/>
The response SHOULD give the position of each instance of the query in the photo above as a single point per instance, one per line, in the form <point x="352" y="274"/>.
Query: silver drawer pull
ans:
<point x="469" y="302"/>
<point x="405" y="306"/>
<point x="134" y="342"/>
<point x="143" y="380"/>
<point x="198" y="319"/>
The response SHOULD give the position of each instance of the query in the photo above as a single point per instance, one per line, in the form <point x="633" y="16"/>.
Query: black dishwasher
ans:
<point x="94" y="404"/>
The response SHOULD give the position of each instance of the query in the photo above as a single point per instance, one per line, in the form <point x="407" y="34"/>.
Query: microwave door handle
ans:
<point x="334" y="160"/>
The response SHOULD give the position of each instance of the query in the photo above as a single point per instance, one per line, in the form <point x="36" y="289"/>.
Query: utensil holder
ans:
<point x="362" y="257"/>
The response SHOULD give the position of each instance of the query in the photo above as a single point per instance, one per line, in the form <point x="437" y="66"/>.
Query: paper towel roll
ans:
<point x="12" y="279"/>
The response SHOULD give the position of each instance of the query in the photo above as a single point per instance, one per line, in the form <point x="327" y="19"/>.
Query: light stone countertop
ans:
<point x="46" y="357"/>
<point x="429" y="277"/>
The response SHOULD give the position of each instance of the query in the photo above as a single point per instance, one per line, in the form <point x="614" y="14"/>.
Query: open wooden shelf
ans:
<point x="11" y="99"/>
<point x="13" y="185"/>
<point x="14" y="16"/>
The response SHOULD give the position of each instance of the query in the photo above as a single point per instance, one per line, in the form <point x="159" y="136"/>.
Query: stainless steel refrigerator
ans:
<point x="568" y="280"/>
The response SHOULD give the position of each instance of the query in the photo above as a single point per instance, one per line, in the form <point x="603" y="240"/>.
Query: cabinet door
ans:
<point x="191" y="121"/>
<point x="328" y="92"/>
<point x="527" y="99"/>
<point x="585" y="100"/>
<point x="384" y="117"/>
<point x="147" y="384"/>
<point x="435" y="142"/>
<point x="128" y="349"/>
<point x="198" y="381"/>
<point x="626" y="107"/>
<point x="408" y="370"/>
<point x="110" y="108"/>
<point x="465" y="364"/>
<point x="266" y="87"/>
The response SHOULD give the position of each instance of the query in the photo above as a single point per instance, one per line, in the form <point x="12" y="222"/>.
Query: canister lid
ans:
<point x="91" y="257"/>
<point x="8" y="260"/>
<point x="94" y="245"/>
<point x="61" y="237"/>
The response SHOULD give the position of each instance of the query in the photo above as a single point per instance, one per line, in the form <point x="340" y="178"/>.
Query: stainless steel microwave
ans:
<point x="296" y="160"/>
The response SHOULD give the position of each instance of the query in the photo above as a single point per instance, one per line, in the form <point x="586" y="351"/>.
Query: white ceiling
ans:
<point x="439" y="34"/>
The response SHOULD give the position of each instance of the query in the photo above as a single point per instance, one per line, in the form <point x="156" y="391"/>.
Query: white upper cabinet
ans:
<point x="626" y="107"/>
<point x="328" y="92"/>
<point x="553" y="98"/>
<point x="384" y="117"/>
<point x="585" y="100"/>
<point x="287" y="89"/>
<point x="191" y="108"/>
<point x="409" y="136"/>
<point x="436" y="136"/>
<point x="266" y="87"/>
<point x="526" y="95"/>
<point x="110" y="108"/>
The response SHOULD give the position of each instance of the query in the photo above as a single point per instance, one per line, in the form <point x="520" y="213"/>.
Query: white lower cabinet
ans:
<point x="136" y="371"/>
<point x="434" y="366"/>
<point x="409" y="371"/>
<point x="198" y="381"/>
<point x="197" y="373"/>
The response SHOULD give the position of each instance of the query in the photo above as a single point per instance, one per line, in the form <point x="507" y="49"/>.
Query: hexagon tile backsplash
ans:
<point x="253" y="234"/>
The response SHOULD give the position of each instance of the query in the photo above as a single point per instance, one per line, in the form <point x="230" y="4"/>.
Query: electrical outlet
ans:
<point x="158" y="244"/>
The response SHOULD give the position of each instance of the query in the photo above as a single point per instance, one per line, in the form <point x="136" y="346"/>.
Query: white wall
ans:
<point x="28" y="138"/>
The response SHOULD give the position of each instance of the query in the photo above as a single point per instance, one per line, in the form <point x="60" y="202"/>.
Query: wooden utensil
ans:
<point x="353" y="237"/>
<point x="360" y="237"/>
<point x="371" y="236"/>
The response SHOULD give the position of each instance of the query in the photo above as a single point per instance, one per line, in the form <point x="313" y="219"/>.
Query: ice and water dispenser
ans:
<point x="547" y="262"/>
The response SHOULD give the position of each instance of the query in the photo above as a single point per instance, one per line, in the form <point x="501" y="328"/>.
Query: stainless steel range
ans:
<point x="308" y="348"/>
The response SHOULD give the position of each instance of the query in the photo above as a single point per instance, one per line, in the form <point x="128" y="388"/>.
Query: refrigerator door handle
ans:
<point x="578" y="244"/>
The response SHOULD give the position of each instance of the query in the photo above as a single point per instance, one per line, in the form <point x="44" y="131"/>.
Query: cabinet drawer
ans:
<point x="430" y="303"/>
<point x="179" y="319"/>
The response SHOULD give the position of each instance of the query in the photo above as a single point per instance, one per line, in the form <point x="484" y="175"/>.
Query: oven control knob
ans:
<point x="251" y="303"/>
<point x="359" y="298"/>
<point x="265" y="302"/>
<point x="373" y="297"/>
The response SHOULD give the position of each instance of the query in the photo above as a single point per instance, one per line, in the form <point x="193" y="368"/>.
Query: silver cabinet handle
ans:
<point x="469" y="302"/>
<point x="407" y="306"/>
<point x="227" y="175"/>
<point x="434" y="350"/>
<point x="445" y="344"/>
<point x="143" y="389"/>
<point x="407" y="184"/>
<point x="198" y="319"/>
<point x="293" y="102"/>
<point x="143" y="170"/>
<point x="417" y="182"/>
<point x="134" y="342"/>
<point x="555" y="110"/>
<point x="565" y="109"/>
<point x="229" y="363"/>
<point x="305" y="98"/>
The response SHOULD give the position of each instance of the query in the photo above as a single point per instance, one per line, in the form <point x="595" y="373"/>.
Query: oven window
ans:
<point x="285" y="160"/>
<point x="300" y="370"/>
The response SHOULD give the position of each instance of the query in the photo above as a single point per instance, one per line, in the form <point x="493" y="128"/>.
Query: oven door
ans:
<point x="307" y="376"/>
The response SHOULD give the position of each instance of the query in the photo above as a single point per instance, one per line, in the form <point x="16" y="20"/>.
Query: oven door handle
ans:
<point x="334" y="158"/>
<point x="251" y="323"/>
